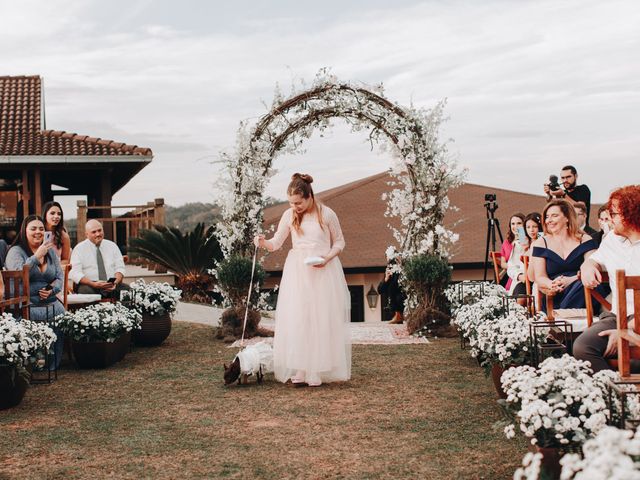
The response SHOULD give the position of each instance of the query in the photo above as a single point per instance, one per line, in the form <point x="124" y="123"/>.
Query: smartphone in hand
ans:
<point x="112" y="280"/>
<point x="48" y="287"/>
<point x="522" y="236"/>
<point x="48" y="237"/>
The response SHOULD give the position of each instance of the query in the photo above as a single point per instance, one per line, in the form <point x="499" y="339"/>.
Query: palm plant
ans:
<point x="189" y="256"/>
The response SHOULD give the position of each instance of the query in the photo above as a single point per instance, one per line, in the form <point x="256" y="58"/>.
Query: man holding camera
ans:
<point x="570" y="190"/>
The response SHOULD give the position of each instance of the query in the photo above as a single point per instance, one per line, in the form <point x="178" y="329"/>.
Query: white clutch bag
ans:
<point x="313" y="261"/>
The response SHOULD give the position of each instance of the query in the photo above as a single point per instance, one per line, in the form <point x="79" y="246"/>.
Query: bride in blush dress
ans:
<point x="312" y="341"/>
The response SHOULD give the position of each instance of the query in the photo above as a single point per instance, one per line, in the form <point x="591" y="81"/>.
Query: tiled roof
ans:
<point x="21" y="126"/>
<point x="360" y="209"/>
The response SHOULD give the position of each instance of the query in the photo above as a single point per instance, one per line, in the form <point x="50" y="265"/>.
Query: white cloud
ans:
<point x="531" y="85"/>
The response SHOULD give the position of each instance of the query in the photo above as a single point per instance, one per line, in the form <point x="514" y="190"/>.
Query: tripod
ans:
<point x="493" y="224"/>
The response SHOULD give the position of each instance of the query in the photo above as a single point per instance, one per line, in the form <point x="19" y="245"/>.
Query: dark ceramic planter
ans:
<point x="550" y="464"/>
<point x="100" y="354"/>
<point x="13" y="387"/>
<point x="155" y="330"/>
<point x="496" y="372"/>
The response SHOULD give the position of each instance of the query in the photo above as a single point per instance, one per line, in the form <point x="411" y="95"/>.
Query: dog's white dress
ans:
<point x="254" y="357"/>
<point x="314" y="305"/>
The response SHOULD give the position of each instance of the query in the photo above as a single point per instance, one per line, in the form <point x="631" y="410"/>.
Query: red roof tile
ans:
<point x="21" y="126"/>
<point x="360" y="209"/>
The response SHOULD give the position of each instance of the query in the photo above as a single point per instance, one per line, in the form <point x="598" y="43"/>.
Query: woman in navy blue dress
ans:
<point x="558" y="255"/>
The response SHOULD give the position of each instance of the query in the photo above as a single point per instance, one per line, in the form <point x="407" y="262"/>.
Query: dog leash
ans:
<point x="246" y="311"/>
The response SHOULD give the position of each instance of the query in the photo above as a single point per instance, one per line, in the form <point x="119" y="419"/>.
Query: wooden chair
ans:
<point x="590" y="294"/>
<point x="528" y="284"/>
<point x="628" y="338"/>
<point x="495" y="258"/>
<point x="16" y="292"/>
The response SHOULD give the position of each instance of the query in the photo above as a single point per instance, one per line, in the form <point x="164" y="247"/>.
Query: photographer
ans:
<point x="570" y="190"/>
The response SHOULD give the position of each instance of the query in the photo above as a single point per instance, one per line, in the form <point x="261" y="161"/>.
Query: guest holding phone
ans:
<point x="97" y="266"/>
<point x="55" y="231"/>
<point x="45" y="274"/>
<point x="516" y="220"/>
<point x="522" y="247"/>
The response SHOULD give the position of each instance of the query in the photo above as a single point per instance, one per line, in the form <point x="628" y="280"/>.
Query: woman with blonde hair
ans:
<point x="312" y="343"/>
<point x="558" y="255"/>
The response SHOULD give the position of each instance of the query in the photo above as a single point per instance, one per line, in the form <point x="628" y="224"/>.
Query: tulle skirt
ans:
<point x="312" y="336"/>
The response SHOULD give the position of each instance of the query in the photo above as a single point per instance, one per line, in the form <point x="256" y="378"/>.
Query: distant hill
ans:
<point x="187" y="216"/>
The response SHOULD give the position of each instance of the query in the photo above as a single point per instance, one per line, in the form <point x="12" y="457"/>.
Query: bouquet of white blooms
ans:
<point x="470" y="316"/>
<point x="102" y="322"/>
<point x="506" y="339"/>
<point x="613" y="454"/>
<point x="153" y="298"/>
<point x="468" y="292"/>
<point x="21" y="341"/>
<point x="560" y="404"/>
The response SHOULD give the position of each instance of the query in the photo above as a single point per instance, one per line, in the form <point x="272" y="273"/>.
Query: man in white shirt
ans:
<point x="97" y="265"/>
<point x="619" y="250"/>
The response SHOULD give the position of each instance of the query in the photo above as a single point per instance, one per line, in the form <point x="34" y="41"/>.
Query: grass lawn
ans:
<point x="410" y="411"/>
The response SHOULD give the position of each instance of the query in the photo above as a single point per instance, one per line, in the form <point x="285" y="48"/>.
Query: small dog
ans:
<point x="254" y="360"/>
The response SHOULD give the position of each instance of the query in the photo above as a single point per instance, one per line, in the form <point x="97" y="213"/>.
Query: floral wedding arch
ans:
<point x="422" y="168"/>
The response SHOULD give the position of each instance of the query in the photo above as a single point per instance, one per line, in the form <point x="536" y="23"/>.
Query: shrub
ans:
<point x="234" y="275"/>
<point x="426" y="278"/>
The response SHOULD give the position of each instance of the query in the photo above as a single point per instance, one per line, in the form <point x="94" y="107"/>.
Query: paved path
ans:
<point x="361" y="333"/>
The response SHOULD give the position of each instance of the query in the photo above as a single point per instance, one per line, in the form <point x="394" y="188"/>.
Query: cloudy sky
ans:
<point x="531" y="86"/>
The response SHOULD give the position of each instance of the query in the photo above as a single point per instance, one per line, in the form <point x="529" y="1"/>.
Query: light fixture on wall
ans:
<point x="372" y="298"/>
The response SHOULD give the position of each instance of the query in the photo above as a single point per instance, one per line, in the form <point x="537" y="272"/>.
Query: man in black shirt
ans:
<point x="572" y="192"/>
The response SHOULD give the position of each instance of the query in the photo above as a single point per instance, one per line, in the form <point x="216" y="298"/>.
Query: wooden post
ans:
<point x="26" y="196"/>
<point x="82" y="219"/>
<point x="158" y="212"/>
<point x="37" y="187"/>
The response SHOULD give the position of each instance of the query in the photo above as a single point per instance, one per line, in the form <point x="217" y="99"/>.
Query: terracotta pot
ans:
<point x="496" y="372"/>
<point x="155" y="329"/>
<point x="550" y="462"/>
<point x="13" y="387"/>
<point x="100" y="354"/>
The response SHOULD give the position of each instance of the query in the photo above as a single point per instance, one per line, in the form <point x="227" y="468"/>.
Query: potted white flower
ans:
<point x="100" y="333"/>
<point x="156" y="302"/>
<point x="468" y="317"/>
<point x="613" y="454"/>
<point x="505" y="342"/>
<point x="558" y="406"/>
<point x="21" y="342"/>
<point x="470" y="292"/>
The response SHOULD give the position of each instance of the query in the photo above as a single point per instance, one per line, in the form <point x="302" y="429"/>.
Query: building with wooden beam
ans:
<point x="36" y="163"/>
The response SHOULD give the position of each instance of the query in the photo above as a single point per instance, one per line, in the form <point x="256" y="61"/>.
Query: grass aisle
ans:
<point x="411" y="411"/>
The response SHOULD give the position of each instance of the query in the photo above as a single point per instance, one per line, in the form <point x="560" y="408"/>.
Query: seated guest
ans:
<point x="516" y="220"/>
<point x="515" y="265"/>
<point x="581" y="213"/>
<point x="619" y="250"/>
<point x="604" y="221"/>
<point x="558" y="255"/>
<point x="396" y="297"/>
<point x="4" y="248"/>
<point x="45" y="274"/>
<point x="97" y="265"/>
<point x="54" y="223"/>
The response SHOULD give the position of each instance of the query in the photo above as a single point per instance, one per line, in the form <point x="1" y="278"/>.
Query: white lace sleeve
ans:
<point x="337" y="239"/>
<point x="284" y="228"/>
